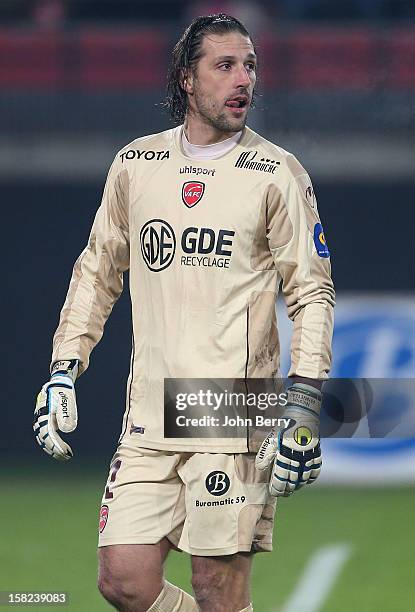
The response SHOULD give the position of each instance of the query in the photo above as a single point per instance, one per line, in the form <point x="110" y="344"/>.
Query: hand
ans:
<point x="294" y="452"/>
<point x="56" y="409"/>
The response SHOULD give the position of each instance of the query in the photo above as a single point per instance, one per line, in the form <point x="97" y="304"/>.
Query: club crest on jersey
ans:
<point x="192" y="193"/>
<point x="103" y="517"/>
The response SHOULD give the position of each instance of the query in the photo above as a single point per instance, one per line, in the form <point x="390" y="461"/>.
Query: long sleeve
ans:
<point x="97" y="278"/>
<point x="296" y="241"/>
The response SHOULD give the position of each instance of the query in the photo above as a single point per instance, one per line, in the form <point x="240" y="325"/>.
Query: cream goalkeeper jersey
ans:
<point x="207" y="244"/>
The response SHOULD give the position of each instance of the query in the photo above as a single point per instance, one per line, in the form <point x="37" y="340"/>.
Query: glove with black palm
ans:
<point x="294" y="451"/>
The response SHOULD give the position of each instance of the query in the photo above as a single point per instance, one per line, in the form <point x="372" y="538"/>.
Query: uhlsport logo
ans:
<point x="249" y="161"/>
<point x="197" y="170"/>
<point x="303" y="436"/>
<point x="158" y="244"/>
<point x="192" y="193"/>
<point x="103" y="517"/>
<point x="217" y="483"/>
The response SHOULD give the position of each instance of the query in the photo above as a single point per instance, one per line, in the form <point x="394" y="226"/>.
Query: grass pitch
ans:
<point x="49" y="534"/>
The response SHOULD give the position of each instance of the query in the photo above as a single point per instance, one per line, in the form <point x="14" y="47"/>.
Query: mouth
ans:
<point x="237" y="103"/>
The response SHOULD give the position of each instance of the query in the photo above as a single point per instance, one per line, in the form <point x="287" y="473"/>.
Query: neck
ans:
<point x="200" y="133"/>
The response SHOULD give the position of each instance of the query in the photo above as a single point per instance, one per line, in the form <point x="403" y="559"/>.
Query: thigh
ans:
<point x="134" y="560"/>
<point x="143" y="500"/>
<point x="228" y="507"/>
<point x="133" y="568"/>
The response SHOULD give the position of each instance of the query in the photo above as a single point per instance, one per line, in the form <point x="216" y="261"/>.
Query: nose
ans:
<point x="243" y="78"/>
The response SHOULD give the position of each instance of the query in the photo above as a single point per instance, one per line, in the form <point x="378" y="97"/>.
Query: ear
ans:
<point x="187" y="82"/>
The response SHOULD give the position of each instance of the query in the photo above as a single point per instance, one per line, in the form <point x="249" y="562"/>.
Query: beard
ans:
<point x="207" y="108"/>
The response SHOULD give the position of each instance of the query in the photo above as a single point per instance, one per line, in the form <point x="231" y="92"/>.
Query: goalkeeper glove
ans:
<point x="294" y="452"/>
<point x="56" y="409"/>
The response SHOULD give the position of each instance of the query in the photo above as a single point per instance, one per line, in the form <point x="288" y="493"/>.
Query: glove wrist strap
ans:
<point x="66" y="367"/>
<point x="304" y="397"/>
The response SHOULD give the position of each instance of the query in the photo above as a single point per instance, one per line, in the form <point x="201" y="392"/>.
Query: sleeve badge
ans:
<point x="320" y="241"/>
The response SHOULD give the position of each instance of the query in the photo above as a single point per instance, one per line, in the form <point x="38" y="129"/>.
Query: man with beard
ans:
<point x="209" y="218"/>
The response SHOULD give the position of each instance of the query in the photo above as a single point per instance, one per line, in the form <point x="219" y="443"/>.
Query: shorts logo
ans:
<point x="158" y="244"/>
<point x="103" y="517"/>
<point x="320" y="241"/>
<point x="217" y="483"/>
<point x="192" y="193"/>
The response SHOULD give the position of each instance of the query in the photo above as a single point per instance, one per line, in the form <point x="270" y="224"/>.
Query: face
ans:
<point x="220" y="93"/>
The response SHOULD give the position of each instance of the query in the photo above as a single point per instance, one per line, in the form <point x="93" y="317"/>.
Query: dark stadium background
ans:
<point x="79" y="79"/>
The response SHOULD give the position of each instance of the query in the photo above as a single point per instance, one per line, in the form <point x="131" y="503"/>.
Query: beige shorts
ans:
<point x="205" y="504"/>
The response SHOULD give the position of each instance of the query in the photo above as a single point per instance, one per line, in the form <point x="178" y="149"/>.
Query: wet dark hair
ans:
<point x="186" y="54"/>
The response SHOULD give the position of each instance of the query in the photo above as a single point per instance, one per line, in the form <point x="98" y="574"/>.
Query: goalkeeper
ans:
<point x="210" y="219"/>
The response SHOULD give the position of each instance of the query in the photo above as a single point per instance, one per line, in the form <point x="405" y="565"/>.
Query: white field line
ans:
<point x="318" y="579"/>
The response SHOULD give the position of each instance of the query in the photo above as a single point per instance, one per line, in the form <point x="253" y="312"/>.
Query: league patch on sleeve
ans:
<point x="320" y="241"/>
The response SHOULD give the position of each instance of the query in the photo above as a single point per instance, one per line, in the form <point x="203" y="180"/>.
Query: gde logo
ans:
<point x="198" y="246"/>
<point x="217" y="483"/>
<point x="158" y="244"/>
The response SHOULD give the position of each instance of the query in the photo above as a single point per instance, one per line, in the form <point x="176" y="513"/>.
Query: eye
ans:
<point x="251" y="66"/>
<point x="225" y="66"/>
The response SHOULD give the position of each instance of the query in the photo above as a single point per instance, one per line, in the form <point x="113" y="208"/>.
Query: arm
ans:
<point x="96" y="284"/>
<point x="297" y="243"/>
<point x="97" y="278"/>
